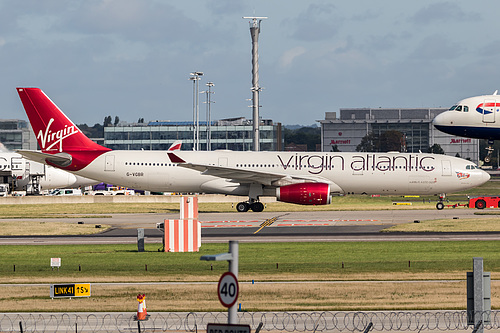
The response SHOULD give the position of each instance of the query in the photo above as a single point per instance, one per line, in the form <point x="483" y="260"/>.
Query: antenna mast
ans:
<point x="254" y="33"/>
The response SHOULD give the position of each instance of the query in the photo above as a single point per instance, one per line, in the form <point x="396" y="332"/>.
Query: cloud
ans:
<point x="440" y="12"/>
<point x="132" y="19"/>
<point x="220" y="7"/>
<point x="318" y="22"/>
<point x="436" y="47"/>
<point x="289" y="56"/>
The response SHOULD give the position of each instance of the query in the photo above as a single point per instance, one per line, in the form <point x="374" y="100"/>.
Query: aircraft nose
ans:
<point x="485" y="176"/>
<point x="441" y="119"/>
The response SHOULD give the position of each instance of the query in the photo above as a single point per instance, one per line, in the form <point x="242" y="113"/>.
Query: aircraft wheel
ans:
<point x="439" y="205"/>
<point x="480" y="204"/>
<point x="242" y="207"/>
<point x="257" y="207"/>
<point x="487" y="159"/>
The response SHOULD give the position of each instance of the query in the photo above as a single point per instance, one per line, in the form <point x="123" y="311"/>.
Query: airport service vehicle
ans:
<point x="4" y="190"/>
<point x="484" y="202"/>
<point x="306" y="178"/>
<point x="474" y="117"/>
<point x="66" y="192"/>
<point x="113" y="190"/>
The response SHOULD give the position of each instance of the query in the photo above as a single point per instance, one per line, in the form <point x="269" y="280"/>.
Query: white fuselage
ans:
<point x="15" y="166"/>
<point x="370" y="173"/>
<point x="474" y="117"/>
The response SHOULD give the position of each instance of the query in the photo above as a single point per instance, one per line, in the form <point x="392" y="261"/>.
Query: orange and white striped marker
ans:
<point x="184" y="235"/>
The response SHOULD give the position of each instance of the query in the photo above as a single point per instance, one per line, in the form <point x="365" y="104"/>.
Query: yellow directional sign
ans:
<point x="70" y="290"/>
<point x="82" y="290"/>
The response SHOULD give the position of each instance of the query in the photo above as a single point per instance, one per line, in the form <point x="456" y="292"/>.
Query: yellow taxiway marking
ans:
<point x="268" y="222"/>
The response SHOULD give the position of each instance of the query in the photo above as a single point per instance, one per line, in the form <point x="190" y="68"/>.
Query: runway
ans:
<point x="328" y="226"/>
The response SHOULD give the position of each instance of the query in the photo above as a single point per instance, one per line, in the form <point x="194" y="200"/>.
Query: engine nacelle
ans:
<point x="305" y="194"/>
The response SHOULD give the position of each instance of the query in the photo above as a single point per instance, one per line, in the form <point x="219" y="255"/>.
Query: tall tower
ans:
<point x="254" y="33"/>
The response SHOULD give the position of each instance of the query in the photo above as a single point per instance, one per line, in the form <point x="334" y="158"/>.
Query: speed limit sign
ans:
<point x="228" y="289"/>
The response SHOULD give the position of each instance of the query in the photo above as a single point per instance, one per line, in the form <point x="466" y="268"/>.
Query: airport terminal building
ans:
<point x="346" y="131"/>
<point x="232" y="134"/>
<point x="17" y="134"/>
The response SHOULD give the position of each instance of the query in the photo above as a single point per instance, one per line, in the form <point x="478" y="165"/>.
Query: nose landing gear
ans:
<point x="487" y="158"/>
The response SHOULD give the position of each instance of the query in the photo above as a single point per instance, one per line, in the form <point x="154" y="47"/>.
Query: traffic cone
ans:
<point x="141" y="308"/>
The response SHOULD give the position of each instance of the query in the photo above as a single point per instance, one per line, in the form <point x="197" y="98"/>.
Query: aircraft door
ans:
<point x="446" y="164"/>
<point x="489" y="109"/>
<point x="109" y="164"/>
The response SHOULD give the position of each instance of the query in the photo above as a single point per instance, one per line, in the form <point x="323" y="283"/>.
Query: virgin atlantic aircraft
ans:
<point x="306" y="178"/>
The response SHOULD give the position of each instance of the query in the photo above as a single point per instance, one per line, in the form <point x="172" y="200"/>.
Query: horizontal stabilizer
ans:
<point x="60" y="159"/>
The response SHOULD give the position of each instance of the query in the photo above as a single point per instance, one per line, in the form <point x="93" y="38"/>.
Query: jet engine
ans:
<point x="305" y="194"/>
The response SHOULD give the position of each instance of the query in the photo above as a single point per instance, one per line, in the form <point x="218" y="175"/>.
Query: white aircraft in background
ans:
<point x="474" y="117"/>
<point x="15" y="165"/>
<point x="307" y="178"/>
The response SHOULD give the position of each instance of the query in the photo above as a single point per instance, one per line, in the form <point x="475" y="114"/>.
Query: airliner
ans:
<point x="306" y="178"/>
<point x="14" y="165"/>
<point x="474" y="117"/>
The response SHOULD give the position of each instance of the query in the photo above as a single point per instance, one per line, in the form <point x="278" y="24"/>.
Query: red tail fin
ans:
<point x="55" y="132"/>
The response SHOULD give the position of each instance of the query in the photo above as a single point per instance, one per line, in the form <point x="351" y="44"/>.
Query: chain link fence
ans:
<point x="327" y="321"/>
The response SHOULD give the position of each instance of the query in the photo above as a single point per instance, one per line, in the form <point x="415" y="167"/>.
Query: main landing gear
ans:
<point x="487" y="158"/>
<point x="255" y="206"/>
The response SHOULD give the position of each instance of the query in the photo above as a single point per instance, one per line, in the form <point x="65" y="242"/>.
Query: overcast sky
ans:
<point x="132" y="58"/>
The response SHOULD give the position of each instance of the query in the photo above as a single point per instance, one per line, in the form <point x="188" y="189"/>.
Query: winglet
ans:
<point x="175" y="159"/>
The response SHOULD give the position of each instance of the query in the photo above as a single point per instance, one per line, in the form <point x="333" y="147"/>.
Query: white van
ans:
<point x="67" y="191"/>
<point x="4" y="190"/>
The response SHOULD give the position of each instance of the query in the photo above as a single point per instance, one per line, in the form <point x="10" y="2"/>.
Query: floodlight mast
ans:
<point x="195" y="77"/>
<point x="254" y="33"/>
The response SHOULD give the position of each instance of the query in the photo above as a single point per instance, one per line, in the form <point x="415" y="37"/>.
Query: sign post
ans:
<point x="228" y="283"/>
<point x="70" y="290"/>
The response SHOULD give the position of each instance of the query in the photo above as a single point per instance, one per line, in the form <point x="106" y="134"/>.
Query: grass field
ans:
<point x="410" y="267"/>
<point x="352" y="275"/>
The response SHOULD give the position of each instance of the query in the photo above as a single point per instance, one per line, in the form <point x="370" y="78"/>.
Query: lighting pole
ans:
<point x="195" y="77"/>
<point x="208" y="101"/>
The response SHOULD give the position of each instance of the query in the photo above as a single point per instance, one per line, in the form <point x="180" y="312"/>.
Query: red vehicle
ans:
<point x="484" y="202"/>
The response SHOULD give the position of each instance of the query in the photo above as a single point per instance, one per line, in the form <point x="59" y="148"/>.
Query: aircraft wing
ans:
<point x="37" y="156"/>
<point x="261" y="177"/>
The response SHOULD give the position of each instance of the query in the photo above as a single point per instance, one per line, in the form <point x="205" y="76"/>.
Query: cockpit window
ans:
<point x="453" y="107"/>
<point x="466" y="108"/>
<point x="458" y="108"/>
<point x="471" y="167"/>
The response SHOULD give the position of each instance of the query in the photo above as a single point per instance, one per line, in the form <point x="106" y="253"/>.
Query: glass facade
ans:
<point x="233" y="134"/>
<point x="16" y="134"/>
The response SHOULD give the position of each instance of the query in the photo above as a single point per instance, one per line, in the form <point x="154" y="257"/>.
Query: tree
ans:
<point x="117" y="120"/>
<point x="140" y="121"/>
<point x="369" y="143"/>
<point x="304" y="135"/>
<point x="435" y="149"/>
<point x="387" y="141"/>
<point x="107" y="121"/>
<point x="96" y="131"/>
<point x="391" y="141"/>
